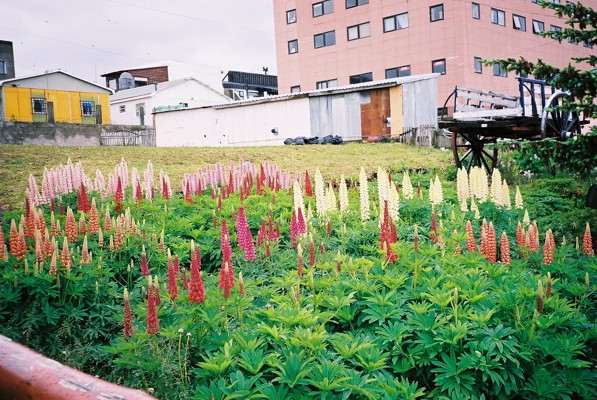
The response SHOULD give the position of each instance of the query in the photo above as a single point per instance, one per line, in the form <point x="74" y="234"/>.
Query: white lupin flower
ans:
<point x="331" y="202"/>
<point x="506" y="202"/>
<point x="518" y="204"/>
<point x="343" y="194"/>
<point x="526" y="219"/>
<point x="462" y="185"/>
<point x="439" y="192"/>
<point x="320" y="201"/>
<point x="394" y="202"/>
<point x="463" y="206"/>
<point x="382" y="185"/>
<point x="474" y="208"/>
<point x="431" y="191"/>
<point x="299" y="202"/>
<point x="482" y="185"/>
<point x="364" y="194"/>
<point x="407" y="187"/>
<point x="496" y="187"/>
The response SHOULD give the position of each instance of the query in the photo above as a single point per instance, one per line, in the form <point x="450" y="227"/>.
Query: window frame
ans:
<point x="44" y="105"/>
<point x="398" y="69"/>
<point x="323" y="35"/>
<point x="542" y="24"/>
<point x="325" y="84"/>
<point x="288" y="22"/>
<point x="87" y="115"/>
<point x="497" y="12"/>
<point x="357" y="3"/>
<point x="3" y="67"/>
<point x="431" y="12"/>
<point x="122" y="108"/>
<point x="369" y="74"/>
<point x="297" y="46"/>
<point x="358" y="27"/>
<point x="322" y="4"/>
<point x="477" y="7"/>
<point x="524" y="22"/>
<point x="443" y="60"/>
<point x="478" y="60"/>
<point x="501" y="72"/>
<point x="395" y="19"/>
<point x="295" y="89"/>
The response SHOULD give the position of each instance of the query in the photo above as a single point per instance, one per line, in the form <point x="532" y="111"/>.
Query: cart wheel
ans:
<point x="557" y="123"/>
<point x="470" y="151"/>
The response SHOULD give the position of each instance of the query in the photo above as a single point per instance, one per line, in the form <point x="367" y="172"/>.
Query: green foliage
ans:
<point x="433" y="325"/>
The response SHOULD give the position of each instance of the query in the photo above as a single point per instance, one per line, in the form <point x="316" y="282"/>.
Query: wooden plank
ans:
<point x="488" y="98"/>
<point x="485" y="113"/>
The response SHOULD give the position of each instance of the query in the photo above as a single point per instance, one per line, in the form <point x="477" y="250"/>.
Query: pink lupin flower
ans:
<point x="153" y="323"/>
<point x="226" y="279"/>
<point x="172" y="281"/>
<point x="243" y="235"/>
<point x="128" y="316"/>
<point x="143" y="263"/>
<point x="300" y="222"/>
<point x="587" y="242"/>
<point x="118" y="196"/>
<point x="261" y="234"/>
<point x="225" y="246"/>
<point x="196" y="289"/>
<point x="293" y="229"/>
<point x="471" y="242"/>
<point x="505" y="249"/>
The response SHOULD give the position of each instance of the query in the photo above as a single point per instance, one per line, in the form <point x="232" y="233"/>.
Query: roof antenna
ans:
<point x="265" y="69"/>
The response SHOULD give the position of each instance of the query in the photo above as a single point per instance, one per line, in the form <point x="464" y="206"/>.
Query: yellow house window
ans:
<point x="87" y="108"/>
<point x="38" y="105"/>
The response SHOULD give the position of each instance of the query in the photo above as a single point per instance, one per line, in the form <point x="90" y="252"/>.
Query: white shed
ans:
<point x="135" y="106"/>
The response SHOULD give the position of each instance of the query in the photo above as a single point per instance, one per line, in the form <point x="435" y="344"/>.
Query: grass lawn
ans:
<point x="17" y="162"/>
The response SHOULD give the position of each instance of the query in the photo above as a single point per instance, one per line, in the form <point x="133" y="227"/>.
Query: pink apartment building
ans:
<point x="337" y="42"/>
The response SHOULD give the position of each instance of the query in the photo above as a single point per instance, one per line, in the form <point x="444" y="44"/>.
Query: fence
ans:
<point x="128" y="137"/>
<point x="426" y="136"/>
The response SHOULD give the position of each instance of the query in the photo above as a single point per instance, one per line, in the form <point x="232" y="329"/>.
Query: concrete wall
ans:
<point x="53" y="134"/>
<point x="249" y="125"/>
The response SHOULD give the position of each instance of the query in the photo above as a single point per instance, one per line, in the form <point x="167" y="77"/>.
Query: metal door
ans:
<point x="50" y="106"/>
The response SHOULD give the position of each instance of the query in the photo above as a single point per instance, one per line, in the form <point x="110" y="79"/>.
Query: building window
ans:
<point x="438" y="66"/>
<point x="38" y="105"/>
<point x="519" y="23"/>
<point x="436" y="13"/>
<point x="295" y="89"/>
<point x="478" y="65"/>
<point x="324" y="39"/>
<point x="323" y="8"/>
<point x="3" y="67"/>
<point x="290" y="16"/>
<point x="87" y="108"/>
<point x="398" y="72"/>
<point x="476" y="11"/>
<point x="395" y="22"/>
<point x="122" y="108"/>
<point x="330" y="83"/>
<point x="293" y="46"/>
<point x="498" y="17"/>
<point x="499" y="70"/>
<point x="587" y="44"/>
<point x="359" y="31"/>
<point x="538" y="27"/>
<point x="356" y="3"/>
<point x="361" y="78"/>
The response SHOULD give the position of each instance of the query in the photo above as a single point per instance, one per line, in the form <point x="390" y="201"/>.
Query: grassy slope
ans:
<point x="17" y="162"/>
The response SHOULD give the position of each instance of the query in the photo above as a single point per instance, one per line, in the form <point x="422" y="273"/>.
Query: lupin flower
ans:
<point x="540" y="298"/>
<point x="505" y="249"/>
<point x="549" y="285"/>
<point x="243" y="235"/>
<point x="308" y="187"/>
<point x="70" y="226"/>
<point x="53" y="267"/>
<point x="471" y="242"/>
<point x="407" y="187"/>
<point x="241" y="284"/>
<point x="196" y="289"/>
<point x="93" y="218"/>
<point x="416" y="239"/>
<point x="16" y="241"/>
<point x="226" y="279"/>
<point x="491" y="251"/>
<point x="299" y="202"/>
<point x="548" y="248"/>
<point x="65" y="259"/>
<point x="82" y="199"/>
<point x="433" y="229"/>
<point x="143" y="263"/>
<point x="533" y="244"/>
<point x="587" y="242"/>
<point x="153" y="323"/>
<point x="364" y="195"/>
<point x="225" y="246"/>
<point x="299" y="260"/>
<point x="343" y="194"/>
<point x="3" y="255"/>
<point x="518" y="203"/>
<point x="107" y="220"/>
<point x="128" y="316"/>
<point x="320" y="201"/>
<point x="172" y="273"/>
<point x="520" y="235"/>
<point x="118" y="195"/>
<point x="311" y="253"/>
<point x="85" y="255"/>
<point x="82" y="225"/>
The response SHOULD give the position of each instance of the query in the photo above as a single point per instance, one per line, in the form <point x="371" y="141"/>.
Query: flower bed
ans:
<point x="245" y="281"/>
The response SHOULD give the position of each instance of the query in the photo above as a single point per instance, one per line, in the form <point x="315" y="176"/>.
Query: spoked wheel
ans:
<point x="469" y="150"/>
<point x="558" y="123"/>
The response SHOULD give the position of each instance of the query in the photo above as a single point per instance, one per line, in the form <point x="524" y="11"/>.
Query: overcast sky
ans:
<point x="89" y="38"/>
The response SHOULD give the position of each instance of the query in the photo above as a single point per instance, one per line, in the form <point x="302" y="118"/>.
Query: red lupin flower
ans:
<point x="153" y="323"/>
<point x="172" y="272"/>
<point x="118" y="196"/>
<point x="587" y="242"/>
<point x="505" y="249"/>
<point x="128" y="316"/>
<point x="196" y="289"/>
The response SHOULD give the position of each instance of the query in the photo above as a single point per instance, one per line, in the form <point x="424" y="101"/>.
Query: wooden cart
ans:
<point x="477" y="120"/>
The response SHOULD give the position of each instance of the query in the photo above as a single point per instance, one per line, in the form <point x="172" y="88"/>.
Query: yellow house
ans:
<point x="54" y="97"/>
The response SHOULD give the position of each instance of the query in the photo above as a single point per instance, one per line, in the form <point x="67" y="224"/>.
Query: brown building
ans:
<point x="135" y="77"/>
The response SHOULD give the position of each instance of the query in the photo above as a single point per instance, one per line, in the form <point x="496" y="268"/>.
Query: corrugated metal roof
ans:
<point x="150" y="90"/>
<point x="321" y="92"/>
